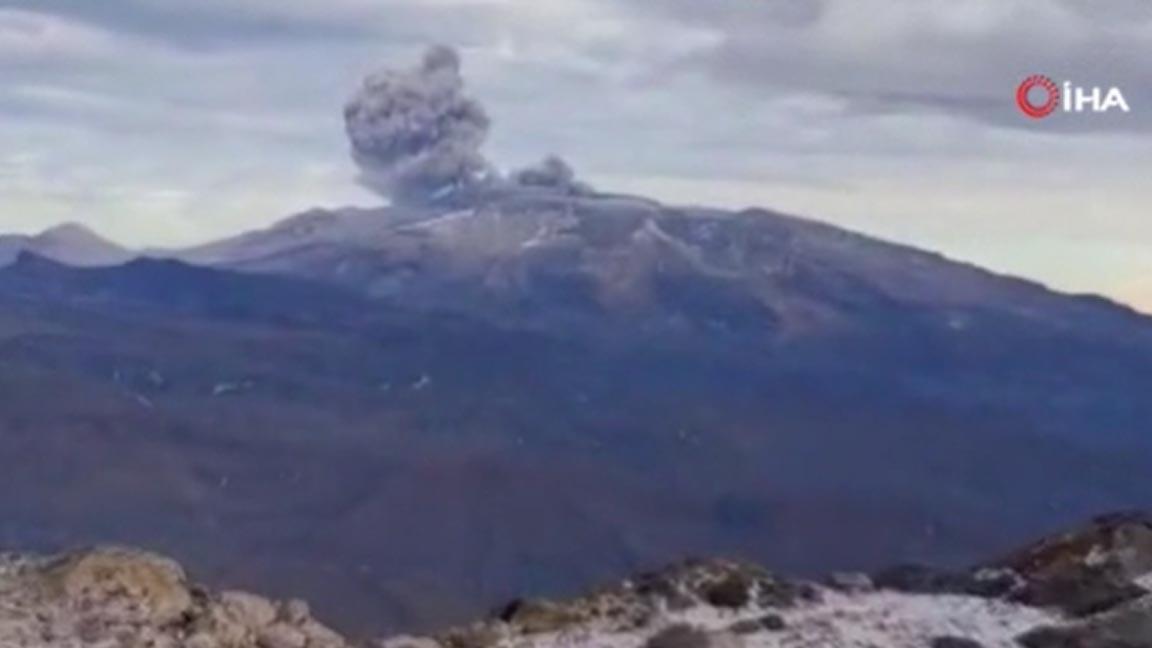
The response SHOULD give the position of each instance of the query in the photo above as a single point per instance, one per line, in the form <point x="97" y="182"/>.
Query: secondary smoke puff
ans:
<point x="414" y="135"/>
<point x="552" y="173"/>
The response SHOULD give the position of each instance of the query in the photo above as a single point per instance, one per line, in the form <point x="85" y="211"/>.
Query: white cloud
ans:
<point x="965" y="58"/>
<point x="32" y="35"/>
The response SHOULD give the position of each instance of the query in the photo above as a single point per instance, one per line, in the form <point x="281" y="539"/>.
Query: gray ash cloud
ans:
<point x="415" y="134"/>
<point x="418" y="138"/>
<point x="551" y="173"/>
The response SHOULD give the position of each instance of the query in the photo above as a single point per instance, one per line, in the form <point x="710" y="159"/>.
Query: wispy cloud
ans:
<point x="35" y="36"/>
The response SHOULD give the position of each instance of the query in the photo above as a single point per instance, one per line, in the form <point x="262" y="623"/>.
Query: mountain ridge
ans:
<point x="355" y="227"/>
<point x="610" y="253"/>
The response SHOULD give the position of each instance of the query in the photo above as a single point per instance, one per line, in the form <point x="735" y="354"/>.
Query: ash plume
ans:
<point x="418" y="138"/>
<point x="415" y="136"/>
<point x="552" y="173"/>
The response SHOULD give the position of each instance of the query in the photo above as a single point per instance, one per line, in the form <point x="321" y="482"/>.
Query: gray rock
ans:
<point x="321" y="636"/>
<point x="120" y="598"/>
<point x="680" y="636"/>
<point x="295" y="612"/>
<point x="734" y="591"/>
<point x="850" y="582"/>
<point x="249" y="610"/>
<point x="281" y="635"/>
<point x="768" y="622"/>
<point x="202" y="640"/>
<point x="1126" y="626"/>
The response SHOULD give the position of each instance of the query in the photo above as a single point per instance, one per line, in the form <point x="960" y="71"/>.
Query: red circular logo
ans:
<point x="1052" y="93"/>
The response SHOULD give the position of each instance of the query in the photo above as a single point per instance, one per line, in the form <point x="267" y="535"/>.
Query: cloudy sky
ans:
<point x="176" y="121"/>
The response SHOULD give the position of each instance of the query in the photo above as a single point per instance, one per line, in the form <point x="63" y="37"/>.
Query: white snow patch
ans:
<point x="840" y="620"/>
<point x="225" y="388"/>
<point x="1096" y="557"/>
<point x="540" y="237"/>
<point x="447" y="218"/>
<point x="905" y="620"/>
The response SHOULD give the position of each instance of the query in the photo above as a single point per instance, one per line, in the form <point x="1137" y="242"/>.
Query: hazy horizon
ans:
<point x="173" y="123"/>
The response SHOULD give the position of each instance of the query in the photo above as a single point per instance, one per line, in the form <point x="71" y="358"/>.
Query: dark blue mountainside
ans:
<point x="408" y="416"/>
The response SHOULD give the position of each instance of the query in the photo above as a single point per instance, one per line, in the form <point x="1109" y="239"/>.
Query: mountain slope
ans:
<point x="621" y="271"/>
<point x="69" y="243"/>
<point x="442" y="459"/>
<point x="625" y="254"/>
<point x="582" y="383"/>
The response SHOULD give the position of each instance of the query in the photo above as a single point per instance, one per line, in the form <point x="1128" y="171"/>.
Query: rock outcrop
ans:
<point x="1084" y="589"/>
<point x="121" y="598"/>
<point x="722" y="604"/>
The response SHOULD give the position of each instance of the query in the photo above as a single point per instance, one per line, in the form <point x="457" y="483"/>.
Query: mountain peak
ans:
<point x="69" y="230"/>
<point x="77" y="245"/>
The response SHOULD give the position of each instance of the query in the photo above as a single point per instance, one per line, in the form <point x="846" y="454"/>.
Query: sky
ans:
<point x="172" y="122"/>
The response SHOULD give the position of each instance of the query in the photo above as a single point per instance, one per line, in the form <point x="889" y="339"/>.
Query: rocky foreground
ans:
<point x="1085" y="589"/>
<point x="120" y="598"/>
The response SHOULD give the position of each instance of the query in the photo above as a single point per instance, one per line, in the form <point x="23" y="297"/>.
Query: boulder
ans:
<point x="733" y="591"/>
<point x="1126" y="626"/>
<point x="1119" y="545"/>
<point x="122" y="584"/>
<point x="1079" y="591"/>
<point x="538" y="616"/>
<point x="281" y="635"/>
<point x="249" y="610"/>
<point x="680" y="636"/>
<point x="295" y="612"/>
<point x="850" y="582"/>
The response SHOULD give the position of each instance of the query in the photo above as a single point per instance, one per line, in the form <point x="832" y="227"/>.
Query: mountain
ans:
<point x="623" y="271"/>
<point x="540" y="256"/>
<point x="70" y="243"/>
<point x="538" y="392"/>
<point x="1088" y="588"/>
